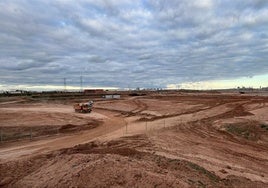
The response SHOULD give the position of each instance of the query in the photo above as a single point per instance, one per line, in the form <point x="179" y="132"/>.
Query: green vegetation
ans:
<point x="239" y="130"/>
<point x="209" y="174"/>
<point x="249" y="130"/>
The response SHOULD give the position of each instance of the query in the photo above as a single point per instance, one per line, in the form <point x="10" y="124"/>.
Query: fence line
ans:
<point x="8" y="134"/>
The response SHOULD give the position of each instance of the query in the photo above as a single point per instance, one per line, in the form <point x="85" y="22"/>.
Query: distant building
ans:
<point x="15" y="92"/>
<point x="115" y="96"/>
<point x="93" y="91"/>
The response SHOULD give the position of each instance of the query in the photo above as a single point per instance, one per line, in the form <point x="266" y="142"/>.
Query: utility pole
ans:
<point x="64" y="82"/>
<point x="81" y="83"/>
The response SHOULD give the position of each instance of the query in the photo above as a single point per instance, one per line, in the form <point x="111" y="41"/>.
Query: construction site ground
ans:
<point x="155" y="140"/>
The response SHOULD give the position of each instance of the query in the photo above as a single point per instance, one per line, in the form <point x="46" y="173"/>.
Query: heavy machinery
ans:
<point x="83" y="107"/>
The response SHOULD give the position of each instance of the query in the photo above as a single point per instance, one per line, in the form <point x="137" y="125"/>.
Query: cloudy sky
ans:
<point x="125" y="43"/>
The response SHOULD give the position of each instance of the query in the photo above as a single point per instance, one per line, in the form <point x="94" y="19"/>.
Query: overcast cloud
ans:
<point x="125" y="43"/>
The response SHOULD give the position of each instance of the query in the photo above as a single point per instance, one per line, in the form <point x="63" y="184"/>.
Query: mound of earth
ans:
<point x="124" y="162"/>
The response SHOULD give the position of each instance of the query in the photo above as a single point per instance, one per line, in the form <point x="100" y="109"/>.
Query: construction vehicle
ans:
<point x="83" y="107"/>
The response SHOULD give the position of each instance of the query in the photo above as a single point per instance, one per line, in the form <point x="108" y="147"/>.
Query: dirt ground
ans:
<point x="156" y="140"/>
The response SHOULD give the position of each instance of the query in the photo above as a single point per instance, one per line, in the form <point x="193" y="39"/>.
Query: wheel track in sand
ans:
<point x="200" y="142"/>
<point x="50" y="144"/>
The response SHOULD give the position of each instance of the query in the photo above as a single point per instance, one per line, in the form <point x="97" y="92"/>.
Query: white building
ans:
<point x="116" y="96"/>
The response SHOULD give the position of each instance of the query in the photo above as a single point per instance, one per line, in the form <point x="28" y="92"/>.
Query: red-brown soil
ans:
<point x="159" y="140"/>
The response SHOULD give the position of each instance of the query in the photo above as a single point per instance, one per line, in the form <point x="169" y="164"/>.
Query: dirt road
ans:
<point x="111" y="123"/>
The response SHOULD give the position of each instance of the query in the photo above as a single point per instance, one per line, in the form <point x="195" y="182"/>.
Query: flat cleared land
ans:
<point x="156" y="140"/>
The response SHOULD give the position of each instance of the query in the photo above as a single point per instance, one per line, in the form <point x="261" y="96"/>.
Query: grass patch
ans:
<point x="202" y="170"/>
<point x="251" y="130"/>
<point x="239" y="130"/>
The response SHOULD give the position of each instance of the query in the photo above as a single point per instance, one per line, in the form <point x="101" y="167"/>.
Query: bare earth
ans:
<point x="157" y="140"/>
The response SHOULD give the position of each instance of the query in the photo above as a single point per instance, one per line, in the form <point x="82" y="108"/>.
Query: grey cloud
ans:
<point x="138" y="43"/>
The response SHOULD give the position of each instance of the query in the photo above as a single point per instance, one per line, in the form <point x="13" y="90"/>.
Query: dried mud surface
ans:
<point x="183" y="140"/>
